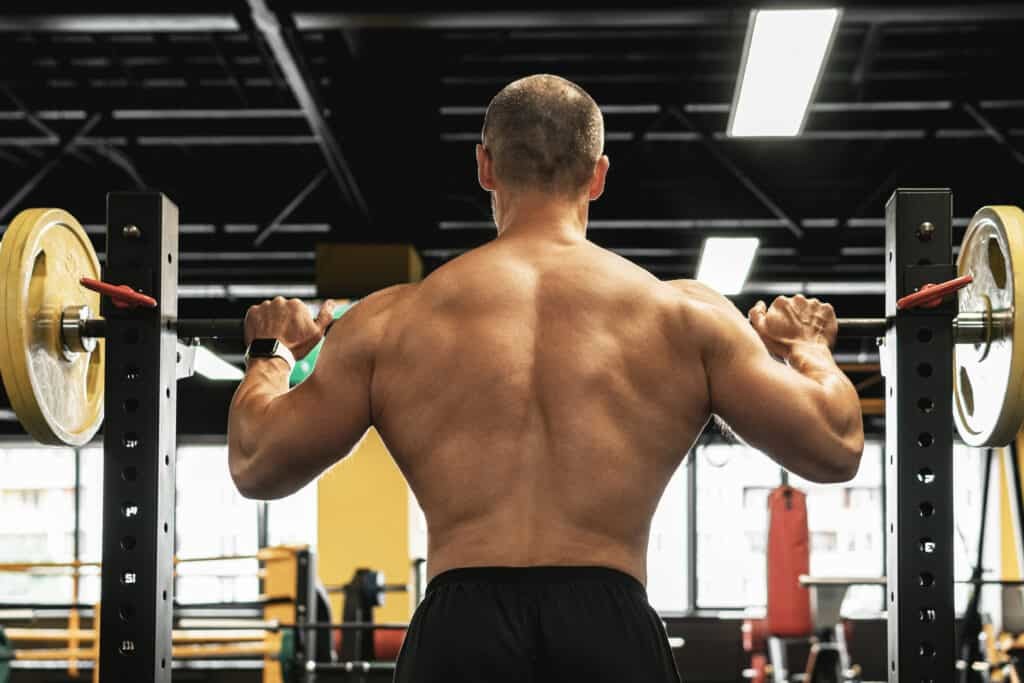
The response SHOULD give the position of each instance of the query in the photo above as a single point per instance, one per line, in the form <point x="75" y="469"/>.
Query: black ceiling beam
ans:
<point x="290" y="208"/>
<point x="710" y="15"/>
<point x="304" y="91"/>
<point x="1000" y="136"/>
<point x="44" y="170"/>
<point x="726" y="161"/>
<point x="626" y="18"/>
<point x="118" y="23"/>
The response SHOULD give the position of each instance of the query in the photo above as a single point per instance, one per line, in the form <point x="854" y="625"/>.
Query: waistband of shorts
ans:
<point x="540" y="575"/>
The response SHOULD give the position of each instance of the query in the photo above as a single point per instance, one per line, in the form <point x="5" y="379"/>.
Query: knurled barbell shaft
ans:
<point x="202" y="328"/>
<point x="968" y="328"/>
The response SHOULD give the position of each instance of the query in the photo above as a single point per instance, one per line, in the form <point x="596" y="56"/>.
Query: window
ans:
<point x="846" y="526"/>
<point x="90" y="516"/>
<point x="733" y="483"/>
<point x="36" y="520"/>
<point x="213" y="520"/>
<point x="968" y="473"/>
<point x="293" y="520"/>
<point x="666" y="551"/>
<point x="844" y="521"/>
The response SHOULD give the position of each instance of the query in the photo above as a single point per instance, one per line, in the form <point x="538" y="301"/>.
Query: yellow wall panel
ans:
<point x="363" y="521"/>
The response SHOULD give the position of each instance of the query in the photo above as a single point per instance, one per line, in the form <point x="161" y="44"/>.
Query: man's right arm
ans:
<point x="805" y="412"/>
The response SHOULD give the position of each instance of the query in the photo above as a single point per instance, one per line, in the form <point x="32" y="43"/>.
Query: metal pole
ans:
<point x="139" y="443"/>
<point x="919" y="442"/>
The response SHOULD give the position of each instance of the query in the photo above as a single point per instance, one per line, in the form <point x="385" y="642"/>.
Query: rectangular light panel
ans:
<point x="725" y="263"/>
<point x="783" y="58"/>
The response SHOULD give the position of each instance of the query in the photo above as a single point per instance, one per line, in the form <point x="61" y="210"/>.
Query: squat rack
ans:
<point x="139" y="440"/>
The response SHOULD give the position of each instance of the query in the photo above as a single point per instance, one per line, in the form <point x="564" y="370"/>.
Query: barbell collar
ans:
<point x="72" y="322"/>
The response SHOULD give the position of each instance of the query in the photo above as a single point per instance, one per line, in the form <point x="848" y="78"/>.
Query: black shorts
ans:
<point x="535" y="624"/>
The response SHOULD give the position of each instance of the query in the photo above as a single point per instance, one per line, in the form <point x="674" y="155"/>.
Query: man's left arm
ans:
<point x="279" y="439"/>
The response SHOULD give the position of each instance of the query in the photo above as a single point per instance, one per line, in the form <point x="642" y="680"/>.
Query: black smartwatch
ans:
<point x="270" y="348"/>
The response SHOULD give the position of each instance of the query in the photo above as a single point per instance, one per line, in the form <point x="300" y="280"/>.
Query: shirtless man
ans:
<point x="538" y="393"/>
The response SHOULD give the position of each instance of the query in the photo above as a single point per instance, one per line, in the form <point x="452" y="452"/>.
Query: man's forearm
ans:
<point x="841" y="406"/>
<point x="265" y="379"/>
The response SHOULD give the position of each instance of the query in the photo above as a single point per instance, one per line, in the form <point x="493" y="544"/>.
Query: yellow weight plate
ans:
<point x="58" y="397"/>
<point x="988" y="377"/>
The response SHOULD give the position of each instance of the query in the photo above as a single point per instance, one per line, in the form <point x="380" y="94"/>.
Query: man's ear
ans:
<point x="484" y="168"/>
<point x="597" y="181"/>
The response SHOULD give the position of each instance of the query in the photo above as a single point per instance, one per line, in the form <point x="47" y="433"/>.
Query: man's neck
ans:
<point x="542" y="215"/>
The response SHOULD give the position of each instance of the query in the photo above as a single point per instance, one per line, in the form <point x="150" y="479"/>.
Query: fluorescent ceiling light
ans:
<point x="725" y="263"/>
<point x="210" y="365"/>
<point x="783" y="58"/>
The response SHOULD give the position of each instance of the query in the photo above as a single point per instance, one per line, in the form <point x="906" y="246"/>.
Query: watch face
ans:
<point x="262" y="348"/>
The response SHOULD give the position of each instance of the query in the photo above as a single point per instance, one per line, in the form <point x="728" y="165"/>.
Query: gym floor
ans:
<point x="359" y="128"/>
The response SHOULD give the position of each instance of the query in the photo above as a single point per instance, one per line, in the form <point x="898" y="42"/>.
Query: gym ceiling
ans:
<point x="194" y="100"/>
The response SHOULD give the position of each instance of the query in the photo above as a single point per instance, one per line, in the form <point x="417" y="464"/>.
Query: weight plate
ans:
<point x="988" y="377"/>
<point x="57" y="396"/>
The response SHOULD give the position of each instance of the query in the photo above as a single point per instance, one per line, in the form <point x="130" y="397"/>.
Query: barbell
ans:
<point x="52" y="356"/>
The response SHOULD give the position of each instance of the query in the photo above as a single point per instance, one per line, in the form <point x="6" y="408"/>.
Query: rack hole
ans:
<point x="925" y="404"/>
<point x="925" y="439"/>
<point x="924" y="369"/>
<point x="126" y="612"/>
<point x="168" y="258"/>
<point x="924" y="335"/>
<point x="926" y="546"/>
<point x="167" y="460"/>
<point x="128" y="543"/>
<point x="129" y="473"/>
<point x="925" y="580"/>
<point x="925" y="476"/>
<point x="130" y="405"/>
<point x="163" y="663"/>
<point x="165" y="527"/>
<point x="164" y="596"/>
<point x="926" y="509"/>
<point x="167" y="392"/>
<point x="892" y="528"/>
<point x="892" y="597"/>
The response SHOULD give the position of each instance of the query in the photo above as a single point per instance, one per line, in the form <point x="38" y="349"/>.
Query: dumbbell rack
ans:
<point x="917" y="362"/>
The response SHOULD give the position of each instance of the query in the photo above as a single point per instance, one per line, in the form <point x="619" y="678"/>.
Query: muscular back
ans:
<point x="538" y="396"/>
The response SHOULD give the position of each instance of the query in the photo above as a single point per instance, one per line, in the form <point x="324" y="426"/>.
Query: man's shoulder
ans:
<point x="703" y="312"/>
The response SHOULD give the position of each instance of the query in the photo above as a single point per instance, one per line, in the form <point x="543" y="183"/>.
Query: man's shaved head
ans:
<point x="544" y="133"/>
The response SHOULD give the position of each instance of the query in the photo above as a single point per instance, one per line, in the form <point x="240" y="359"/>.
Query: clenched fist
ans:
<point x="791" y="321"/>
<point x="289" y="322"/>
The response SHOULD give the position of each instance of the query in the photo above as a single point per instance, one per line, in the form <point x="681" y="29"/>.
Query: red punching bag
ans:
<point x="789" y="556"/>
